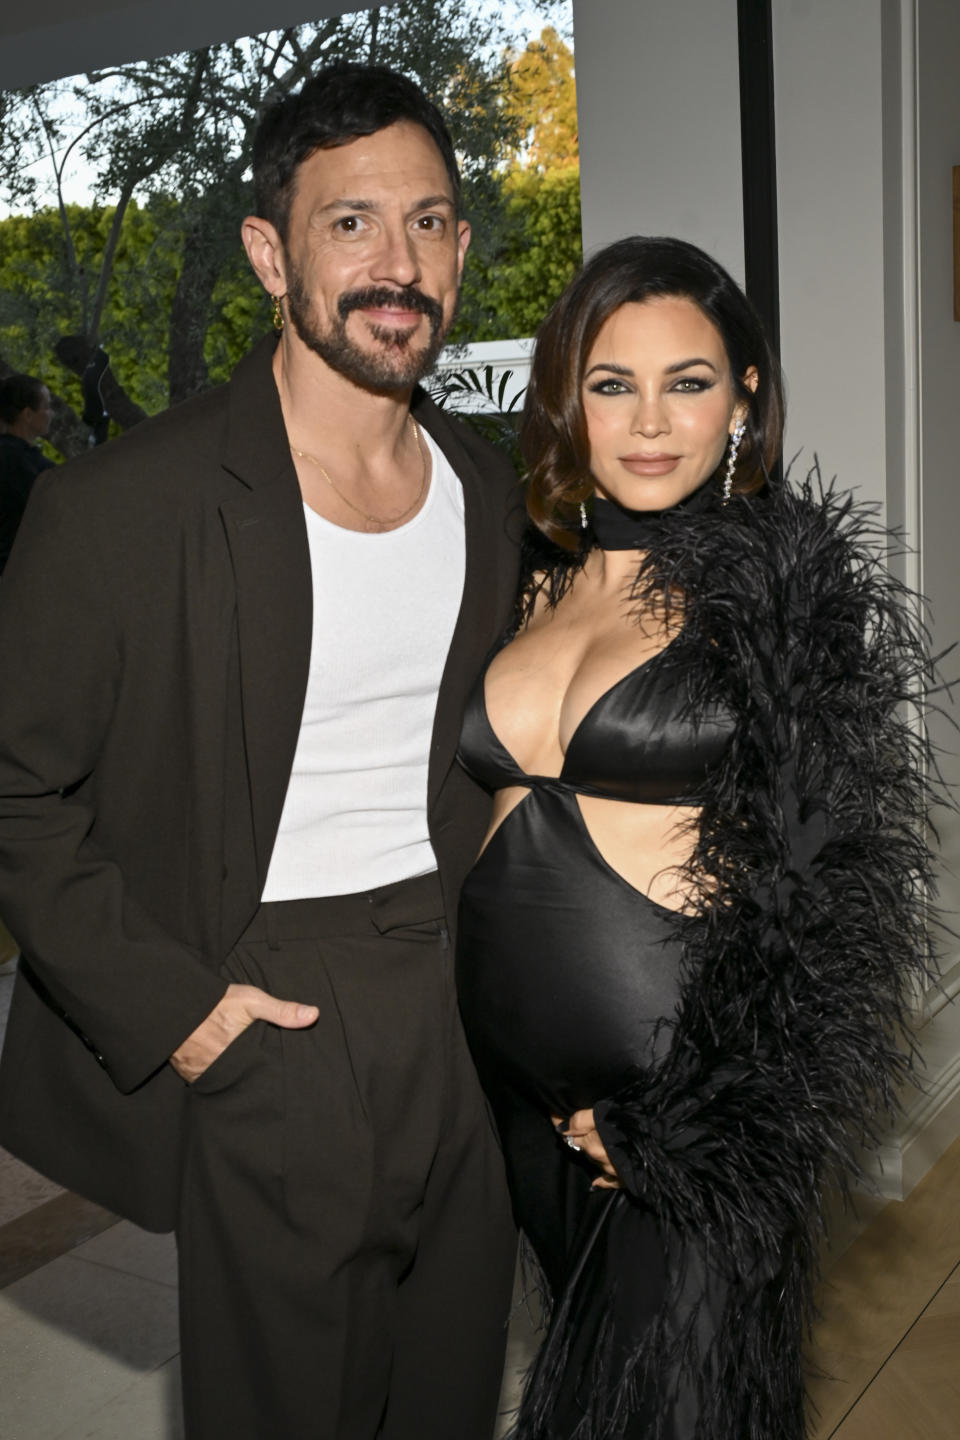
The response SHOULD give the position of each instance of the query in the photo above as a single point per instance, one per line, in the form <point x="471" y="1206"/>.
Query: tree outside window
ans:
<point x="137" y="295"/>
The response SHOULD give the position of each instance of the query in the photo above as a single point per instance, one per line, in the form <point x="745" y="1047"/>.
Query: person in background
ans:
<point x="25" y="415"/>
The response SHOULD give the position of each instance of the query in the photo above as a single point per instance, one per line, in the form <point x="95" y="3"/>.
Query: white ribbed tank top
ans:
<point x="384" y="610"/>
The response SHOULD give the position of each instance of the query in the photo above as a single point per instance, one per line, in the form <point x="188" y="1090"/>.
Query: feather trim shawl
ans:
<point x="801" y="955"/>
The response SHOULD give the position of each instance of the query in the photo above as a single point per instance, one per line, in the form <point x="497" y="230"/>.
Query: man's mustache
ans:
<point x="377" y="297"/>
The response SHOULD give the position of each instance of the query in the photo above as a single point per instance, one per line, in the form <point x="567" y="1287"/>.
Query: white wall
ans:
<point x="828" y="104"/>
<point x="937" y="68"/>
<point x="659" y="109"/>
<point x="868" y="127"/>
<point x="658" y="97"/>
<point x="938" y="58"/>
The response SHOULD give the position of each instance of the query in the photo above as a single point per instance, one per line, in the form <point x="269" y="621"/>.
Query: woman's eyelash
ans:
<point x="687" y="384"/>
<point x="697" y="382"/>
<point x="602" y="387"/>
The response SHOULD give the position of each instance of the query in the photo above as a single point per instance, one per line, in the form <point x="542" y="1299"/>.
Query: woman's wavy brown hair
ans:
<point x="553" y="435"/>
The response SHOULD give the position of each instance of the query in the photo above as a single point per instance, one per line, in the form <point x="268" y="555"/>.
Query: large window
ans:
<point x="122" y="192"/>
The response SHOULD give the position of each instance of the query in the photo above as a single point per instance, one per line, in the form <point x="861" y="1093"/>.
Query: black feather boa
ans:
<point x="801" y="955"/>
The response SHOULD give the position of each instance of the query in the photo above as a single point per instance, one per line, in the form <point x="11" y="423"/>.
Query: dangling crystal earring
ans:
<point x="583" y="516"/>
<point x="739" y="430"/>
<point x="277" y="314"/>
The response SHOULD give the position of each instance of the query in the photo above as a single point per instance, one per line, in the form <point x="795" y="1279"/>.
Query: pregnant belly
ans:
<point x="566" y="974"/>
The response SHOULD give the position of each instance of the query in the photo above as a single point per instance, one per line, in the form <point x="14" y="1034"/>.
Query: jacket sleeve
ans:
<point x="788" y="1044"/>
<point x="130" y="989"/>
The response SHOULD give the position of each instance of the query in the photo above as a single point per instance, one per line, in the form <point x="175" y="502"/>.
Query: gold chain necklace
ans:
<point x="374" y="519"/>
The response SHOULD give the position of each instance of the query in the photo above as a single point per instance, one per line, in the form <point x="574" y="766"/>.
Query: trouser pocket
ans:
<point x="233" y="1062"/>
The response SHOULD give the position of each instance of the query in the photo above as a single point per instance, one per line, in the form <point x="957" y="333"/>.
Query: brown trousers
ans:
<point x="346" y="1248"/>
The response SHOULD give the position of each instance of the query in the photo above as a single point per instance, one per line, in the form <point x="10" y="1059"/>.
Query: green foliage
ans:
<point x="153" y="270"/>
<point x="240" y="315"/>
<point x="527" y="237"/>
<point x="548" y="207"/>
<point x="508" y="293"/>
<point x="542" y="97"/>
<point x="36" y="309"/>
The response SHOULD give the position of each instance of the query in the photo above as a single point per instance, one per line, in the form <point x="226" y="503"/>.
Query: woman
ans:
<point x="687" y="946"/>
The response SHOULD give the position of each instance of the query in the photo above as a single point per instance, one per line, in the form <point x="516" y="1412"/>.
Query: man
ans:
<point x="177" y="741"/>
<point x="25" y="416"/>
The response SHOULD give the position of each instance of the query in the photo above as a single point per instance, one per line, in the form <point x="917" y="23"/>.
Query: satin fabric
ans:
<point x="568" y="978"/>
<point x="638" y="741"/>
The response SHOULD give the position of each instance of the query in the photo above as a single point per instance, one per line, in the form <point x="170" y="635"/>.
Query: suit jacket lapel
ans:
<point x="479" y="621"/>
<point x="267" y="537"/>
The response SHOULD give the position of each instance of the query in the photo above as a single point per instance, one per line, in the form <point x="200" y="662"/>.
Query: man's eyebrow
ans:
<point x="345" y="202"/>
<point x="430" y="202"/>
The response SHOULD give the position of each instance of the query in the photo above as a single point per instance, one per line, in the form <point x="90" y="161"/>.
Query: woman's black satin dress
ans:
<point x="568" y="978"/>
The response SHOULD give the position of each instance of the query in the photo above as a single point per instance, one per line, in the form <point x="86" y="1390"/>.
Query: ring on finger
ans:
<point x="569" y="1140"/>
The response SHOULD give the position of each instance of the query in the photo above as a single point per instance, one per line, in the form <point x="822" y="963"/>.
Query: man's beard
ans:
<point x="397" y="364"/>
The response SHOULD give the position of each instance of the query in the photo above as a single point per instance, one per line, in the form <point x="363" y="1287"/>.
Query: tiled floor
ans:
<point x="887" y="1345"/>
<point x="88" y="1324"/>
<point x="20" y="1189"/>
<point x="88" y="1343"/>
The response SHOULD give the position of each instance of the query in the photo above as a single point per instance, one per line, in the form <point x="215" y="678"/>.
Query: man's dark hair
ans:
<point x="19" y="393"/>
<point x="338" y="104"/>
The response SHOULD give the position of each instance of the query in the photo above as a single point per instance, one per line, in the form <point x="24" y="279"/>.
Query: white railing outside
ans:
<point x="502" y="357"/>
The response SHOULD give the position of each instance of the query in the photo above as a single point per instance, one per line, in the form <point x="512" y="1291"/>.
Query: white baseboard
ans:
<point x="930" y="1120"/>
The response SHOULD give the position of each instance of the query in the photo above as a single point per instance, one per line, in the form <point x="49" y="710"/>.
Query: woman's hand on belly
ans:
<point x="581" y="1134"/>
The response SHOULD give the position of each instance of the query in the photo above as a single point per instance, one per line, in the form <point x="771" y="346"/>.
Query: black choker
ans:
<point x="616" y="528"/>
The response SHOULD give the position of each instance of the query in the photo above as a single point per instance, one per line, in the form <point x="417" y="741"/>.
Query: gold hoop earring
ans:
<point x="277" y="314"/>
